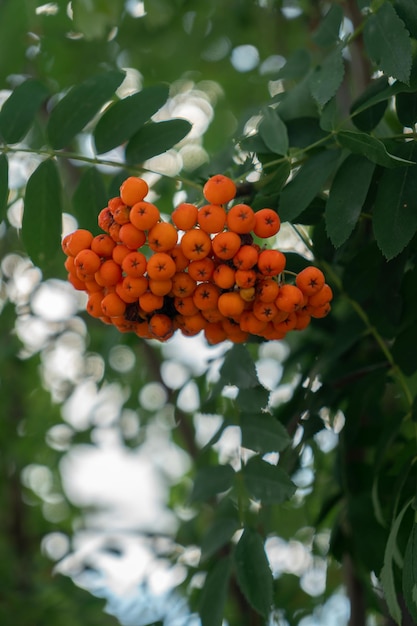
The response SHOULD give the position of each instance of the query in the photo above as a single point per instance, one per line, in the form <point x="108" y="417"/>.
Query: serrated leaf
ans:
<point x="239" y="368"/>
<point x="327" y="77"/>
<point x="155" y="138"/>
<point x="394" y="216"/>
<point x="212" y="480"/>
<point x="220" y="533"/>
<point x="263" y="433"/>
<point x="368" y="110"/>
<point x="79" y="106"/>
<point x="214" y="593"/>
<point x="273" y="131"/>
<point x="370" y="147"/>
<point x="410" y="573"/>
<point x="387" y="572"/>
<point x="253" y="399"/>
<point x="328" y="32"/>
<point x="387" y="42"/>
<point x="89" y="198"/>
<point x="20" y="108"/>
<point x="347" y="196"/>
<point x="253" y="572"/>
<point x="125" y="117"/>
<point x="42" y="216"/>
<point x="306" y="184"/>
<point x="267" y="483"/>
<point x="4" y="185"/>
<point x="407" y="11"/>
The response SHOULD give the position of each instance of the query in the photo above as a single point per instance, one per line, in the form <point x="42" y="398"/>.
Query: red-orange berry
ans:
<point x="133" y="190"/>
<point x="267" y="223"/>
<point x="185" y="216"/>
<point x="241" y="219"/>
<point x="219" y="189"/>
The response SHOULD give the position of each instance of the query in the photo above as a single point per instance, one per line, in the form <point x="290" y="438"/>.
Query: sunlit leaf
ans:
<point x="214" y="593"/>
<point x="19" y="110"/>
<point x="345" y="200"/>
<point x="263" y="433"/>
<point x="388" y="42"/>
<point x="253" y="571"/>
<point x="4" y="185"/>
<point x="89" y="198"/>
<point x="155" y="138"/>
<point x="124" y="118"/>
<point x="80" y="105"/>
<point x="42" y="219"/>
<point x="267" y="483"/>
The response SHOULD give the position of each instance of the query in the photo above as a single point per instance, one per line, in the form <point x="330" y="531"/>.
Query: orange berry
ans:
<point x="215" y="333"/>
<point x="108" y="274"/>
<point x="114" y="231"/>
<point x="92" y="285"/>
<point x="79" y="240"/>
<point x="161" y="266"/>
<point x="103" y="245"/>
<point x="245" y="278"/>
<point x="160" y="287"/>
<point x="121" y="214"/>
<point x="191" y="325"/>
<point x="160" y="326"/>
<point x="247" y="293"/>
<point x="181" y="261"/>
<point x="289" y="298"/>
<point x="241" y="218"/>
<point x="267" y="223"/>
<point x="310" y="280"/>
<point x="267" y="289"/>
<point x="205" y="296"/>
<point x="144" y="215"/>
<point x="230" y="304"/>
<point x="149" y="302"/>
<point x="271" y="262"/>
<point x="324" y="295"/>
<point x="135" y="286"/>
<point x="246" y="257"/>
<point x="76" y="282"/>
<point x="185" y="216"/>
<point x="87" y="261"/>
<point x="201" y="270"/>
<point x="251" y="324"/>
<point x="264" y="311"/>
<point x="224" y="276"/>
<point x="162" y="237"/>
<point x="225" y="245"/>
<point x="185" y="305"/>
<point x="119" y="253"/>
<point x="319" y="311"/>
<point x="112" y="305"/>
<point x="126" y="294"/>
<point x="212" y="218"/>
<point x="212" y="315"/>
<point x="105" y="219"/>
<point x="133" y="190"/>
<point x="219" y="189"/>
<point x="134" y="264"/>
<point x="286" y="324"/>
<point x="131" y="236"/>
<point x="302" y="321"/>
<point x="183" y="285"/>
<point x="115" y="203"/>
<point x="195" y="244"/>
<point x="93" y="306"/>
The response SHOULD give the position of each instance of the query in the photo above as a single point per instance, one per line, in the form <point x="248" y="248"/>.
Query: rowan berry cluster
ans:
<point x="204" y="271"/>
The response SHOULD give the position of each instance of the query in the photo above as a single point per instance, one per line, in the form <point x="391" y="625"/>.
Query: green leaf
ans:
<point x="407" y="11"/>
<point x="368" y="110"/>
<point x="19" y="110"/>
<point x="387" y="42"/>
<point x="328" y="32"/>
<point x="80" y="105"/>
<point x="95" y="18"/>
<point x="395" y="217"/>
<point x="267" y="483"/>
<point x="89" y="198"/>
<point x="239" y="368"/>
<point x="4" y="185"/>
<point x="327" y="77"/>
<point x="212" y="480"/>
<point x="42" y="216"/>
<point x="306" y="184"/>
<point x="406" y="108"/>
<point x="253" y="572"/>
<point x="387" y="572"/>
<point x="410" y="573"/>
<point x="347" y="196"/>
<point x="220" y="533"/>
<point x="297" y="65"/>
<point x="156" y="138"/>
<point x="263" y="433"/>
<point x="404" y="350"/>
<point x="253" y="399"/>
<point x="273" y="131"/>
<point x="214" y="593"/>
<point x="124" y="118"/>
<point x="370" y="147"/>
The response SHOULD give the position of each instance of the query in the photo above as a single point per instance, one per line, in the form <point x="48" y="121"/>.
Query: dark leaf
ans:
<point x="327" y="33"/>
<point x="125" y="117"/>
<point x="263" y="433"/>
<point x="267" y="483"/>
<point x="221" y="531"/>
<point x="307" y="183"/>
<point x="404" y="350"/>
<point x="407" y="11"/>
<point x="154" y="138"/>
<point x="387" y="42"/>
<point x="19" y="110"/>
<point x="253" y="399"/>
<point x="42" y="217"/>
<point x="238" y="368"/>
<point x="297" y="66"/>
<point x="347" y="196"/>
<point x="80" y="105"/>
<point x="327" y="77"/>
<point x="370" y="147"/>
<point x="406" y="108"/>
<point x="212" y="480"/>
<point x="410" y="573"/>
<point x="89" y="198"/>
<point x="214" y="593"/>
<point x="274" y="132"/>
<point x="4" y="185"/>
<point x="368" y="110"/>
<point x="253" y="571"/>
